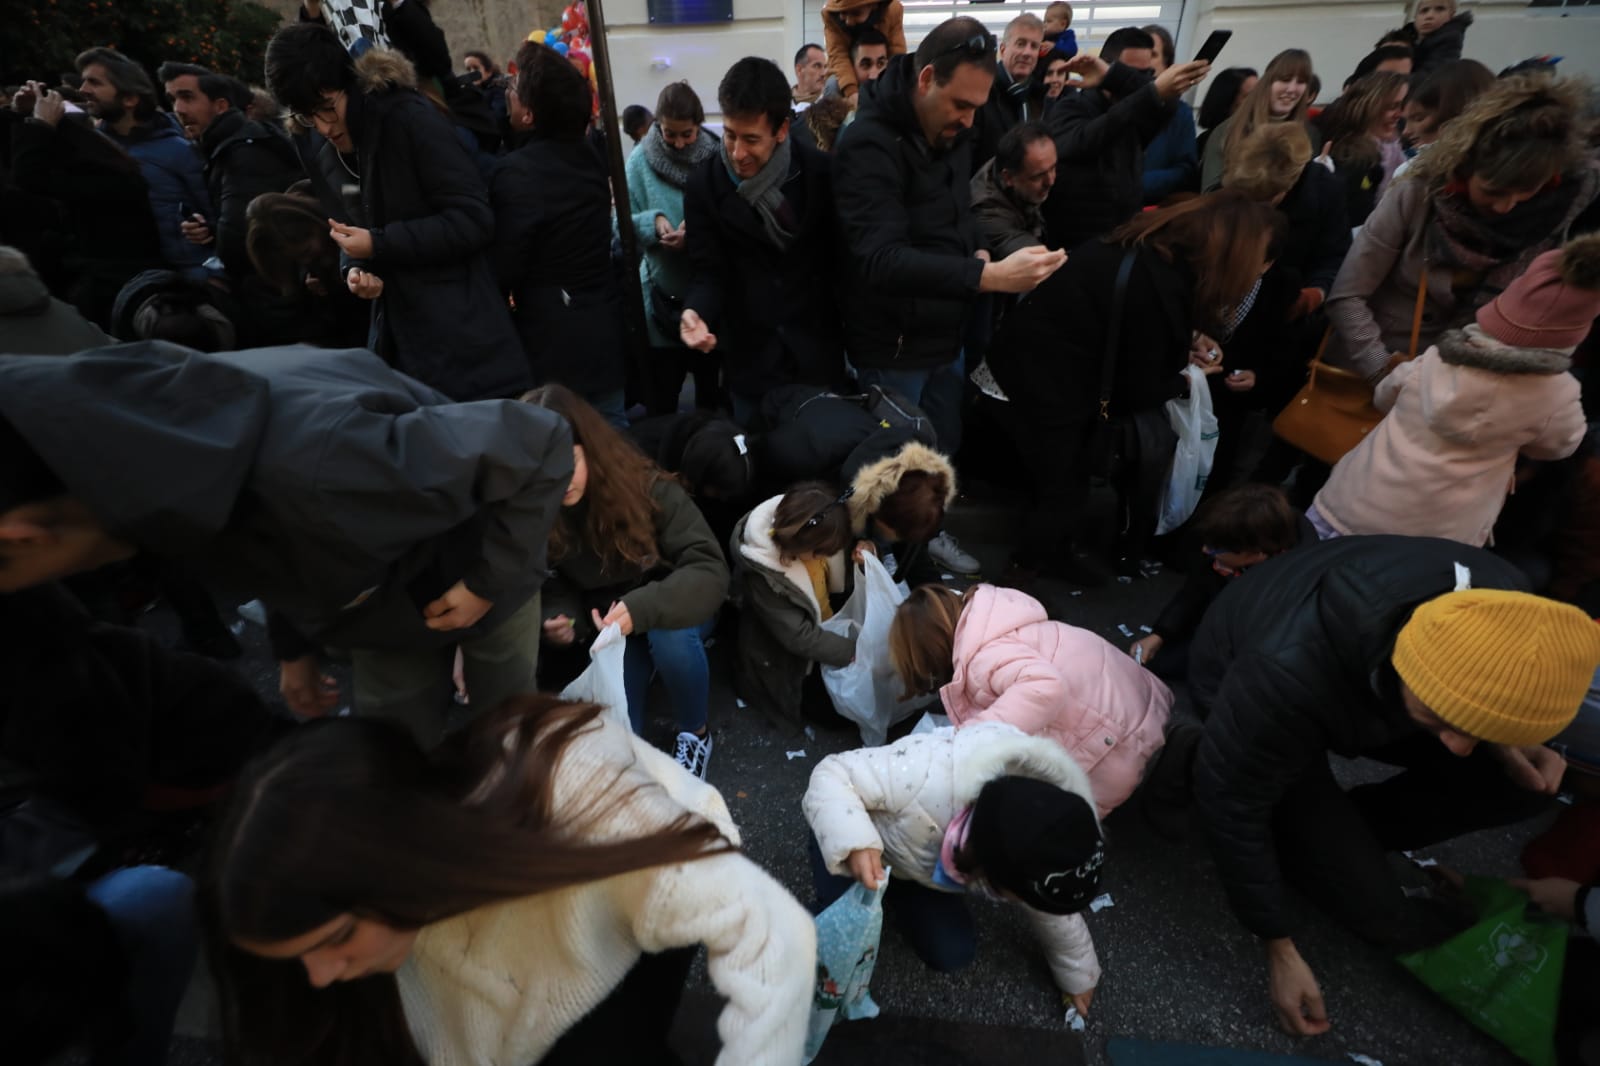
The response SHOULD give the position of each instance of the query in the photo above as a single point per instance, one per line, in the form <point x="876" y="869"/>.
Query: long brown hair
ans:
<point x="350" y="816"/>
<point x="620" y="519"/>
<point x="811" y="519"/>
<point x="1255" y="111"/>
<point x="1225" y="238"/>
<point x="922" y="638"/>
<point x="1348" y="123"/>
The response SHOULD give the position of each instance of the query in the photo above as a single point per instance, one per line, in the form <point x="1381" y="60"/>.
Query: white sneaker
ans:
<point x="694" y="753"/>
<point x="948" y="553"/>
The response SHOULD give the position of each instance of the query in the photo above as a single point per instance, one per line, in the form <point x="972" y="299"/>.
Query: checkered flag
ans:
<point x="354" y="20"/>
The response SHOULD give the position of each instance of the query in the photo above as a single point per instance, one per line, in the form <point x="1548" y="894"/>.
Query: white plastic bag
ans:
<point x="848" y="933"/>
<point x="867" y="691"/>
<point x="602" y="682"/>
<point x="1196" y="426"/>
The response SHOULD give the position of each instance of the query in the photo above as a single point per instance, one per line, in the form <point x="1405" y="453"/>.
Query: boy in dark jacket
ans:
<point x="364" y="509"/>
<point x="1409" y="650"/>
<point x="1436" y="34"/>
<point x="1233" y="533"/>
<point x="410" y="207"/>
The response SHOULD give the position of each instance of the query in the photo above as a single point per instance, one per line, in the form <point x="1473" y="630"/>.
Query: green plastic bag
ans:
<point x="1504" y="974"/>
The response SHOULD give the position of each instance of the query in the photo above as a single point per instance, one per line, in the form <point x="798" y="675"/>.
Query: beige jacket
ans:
<point x="1374" y="297"/>
<point x="1442" y="460"/>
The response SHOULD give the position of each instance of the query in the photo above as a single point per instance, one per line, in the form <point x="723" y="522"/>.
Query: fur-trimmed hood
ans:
<point x="877" y="480"/>
<point x="1471" y="346"/>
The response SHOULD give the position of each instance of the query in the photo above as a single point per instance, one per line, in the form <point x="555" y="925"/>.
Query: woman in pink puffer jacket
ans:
<point x="994" y="655"/>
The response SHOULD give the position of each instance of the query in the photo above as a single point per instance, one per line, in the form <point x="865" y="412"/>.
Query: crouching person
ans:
<point x="789" y="562"/>
<point x="1372" y="646"/>
<point x="985" y="810"/>
<point x="532" y="893"/>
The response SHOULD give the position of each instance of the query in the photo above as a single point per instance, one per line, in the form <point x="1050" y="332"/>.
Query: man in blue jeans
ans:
<point x="916" y="260"/>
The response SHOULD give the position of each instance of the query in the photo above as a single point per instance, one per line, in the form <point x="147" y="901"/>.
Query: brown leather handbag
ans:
<point x="1333" y="411"/>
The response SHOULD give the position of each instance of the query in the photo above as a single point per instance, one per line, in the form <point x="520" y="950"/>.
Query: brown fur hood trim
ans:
<point x="1473" y="347"/>
<point x="874" y="482"/>
<point x="380" y="69"/>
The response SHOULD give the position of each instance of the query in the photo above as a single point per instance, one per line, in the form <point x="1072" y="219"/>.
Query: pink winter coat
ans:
<point x="1014" y="665"/>
<point x="1443" y="458"/>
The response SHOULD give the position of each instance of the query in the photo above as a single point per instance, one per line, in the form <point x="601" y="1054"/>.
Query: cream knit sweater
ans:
<point x="499" y="985"/>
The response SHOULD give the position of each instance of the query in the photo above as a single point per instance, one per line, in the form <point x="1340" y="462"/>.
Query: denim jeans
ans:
<point x="152" y="910"/>
<point x="613" y="407"/>
<point x="937" y="390"/>
<point x="937" y="925"/>
<point x="679" y="656"/>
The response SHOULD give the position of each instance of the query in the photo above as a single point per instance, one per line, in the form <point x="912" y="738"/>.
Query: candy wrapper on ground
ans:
<point x="847" y="950"/>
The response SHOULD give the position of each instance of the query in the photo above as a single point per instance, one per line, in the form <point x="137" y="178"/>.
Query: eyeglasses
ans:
<point x="816" y="520"/>
<point x="328" y="111"/>
<point x="976" y="47"/>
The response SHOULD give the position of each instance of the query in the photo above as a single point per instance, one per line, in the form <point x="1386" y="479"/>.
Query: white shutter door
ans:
<point x="1091" y="22"/>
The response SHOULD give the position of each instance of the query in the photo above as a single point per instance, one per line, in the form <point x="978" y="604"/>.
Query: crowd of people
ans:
<point x="362" y="350"/>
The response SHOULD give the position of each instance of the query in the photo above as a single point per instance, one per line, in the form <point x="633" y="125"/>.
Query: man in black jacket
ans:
<point x="1407" y="650"/>
<point x="365" y="509"/>
<point x="243" y="158"/>
<point x="1101" y="133"/>
<point x="915" y="266"/>
<point x="760" y="222"/>
<point x="410" y="209"/>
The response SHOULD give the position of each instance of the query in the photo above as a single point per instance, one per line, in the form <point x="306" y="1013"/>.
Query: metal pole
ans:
<point x="632" y="291"/>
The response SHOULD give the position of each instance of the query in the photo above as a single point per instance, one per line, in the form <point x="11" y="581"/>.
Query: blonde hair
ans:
<point x="1255" y="111"/>
<point x="922" y="638"/>
<point x="1518" y="134"/>
<point x="1267" y="163"/>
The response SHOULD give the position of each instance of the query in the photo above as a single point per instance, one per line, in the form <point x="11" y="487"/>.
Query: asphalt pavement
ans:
<point x="1177" y="965"/>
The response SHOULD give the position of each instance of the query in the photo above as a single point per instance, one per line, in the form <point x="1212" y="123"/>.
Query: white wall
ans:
<point x="1338" y="33"/>
<point x="647" y="57"/>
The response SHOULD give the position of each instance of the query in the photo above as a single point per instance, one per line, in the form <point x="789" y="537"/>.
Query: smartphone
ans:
<point x="1213" y="46"/>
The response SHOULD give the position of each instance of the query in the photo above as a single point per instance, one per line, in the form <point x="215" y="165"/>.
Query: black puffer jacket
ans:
<point x="1317" y="238"/>
<point x="1292" y="662"/>
<point x="814" y="434"/>
<point x="1100" y="144"/>
<point x="243" y="160"/>
<point x="911" y="238"/>
<point x="1441" y="46"/>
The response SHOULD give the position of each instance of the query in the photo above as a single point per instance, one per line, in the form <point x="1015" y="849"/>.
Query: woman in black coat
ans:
<point x="552" y="248"/>
<point x="392" y="167"/>
<point x="1189" y="267"/>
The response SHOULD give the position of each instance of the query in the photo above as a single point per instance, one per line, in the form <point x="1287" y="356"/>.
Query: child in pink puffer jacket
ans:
<point x="994" y="655"/>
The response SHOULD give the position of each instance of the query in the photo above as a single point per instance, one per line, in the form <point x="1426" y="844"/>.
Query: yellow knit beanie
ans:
<point x="1505" y="667"/>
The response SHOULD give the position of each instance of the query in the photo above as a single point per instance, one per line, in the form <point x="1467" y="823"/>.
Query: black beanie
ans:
<point x="1040" y="843"/>
<point x="23" y="476"/>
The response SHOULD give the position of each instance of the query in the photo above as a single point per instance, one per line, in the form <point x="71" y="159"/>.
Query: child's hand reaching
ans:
<point x="866" y="866"/>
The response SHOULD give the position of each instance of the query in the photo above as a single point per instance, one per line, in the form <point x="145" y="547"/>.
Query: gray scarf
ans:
<point x="764" y="192"/>
<point x="672" y="165"/>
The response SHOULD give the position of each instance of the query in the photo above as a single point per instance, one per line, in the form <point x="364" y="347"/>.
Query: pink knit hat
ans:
<point x="1553" y="304"/>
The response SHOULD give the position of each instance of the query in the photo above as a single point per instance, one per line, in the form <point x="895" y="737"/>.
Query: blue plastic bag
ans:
<point x="847" y="949"/>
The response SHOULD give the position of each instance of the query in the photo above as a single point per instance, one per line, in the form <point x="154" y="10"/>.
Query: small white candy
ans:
<point x="801" y="754"/>
<point x="1101" y="902"/>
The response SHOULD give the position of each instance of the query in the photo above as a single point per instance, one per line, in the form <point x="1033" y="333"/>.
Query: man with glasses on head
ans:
<point x="915" y="257"/>
<point x="406" y="204"/>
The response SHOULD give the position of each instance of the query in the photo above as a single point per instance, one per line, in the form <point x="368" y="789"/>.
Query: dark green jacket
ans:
<point x="683" y="589"/>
